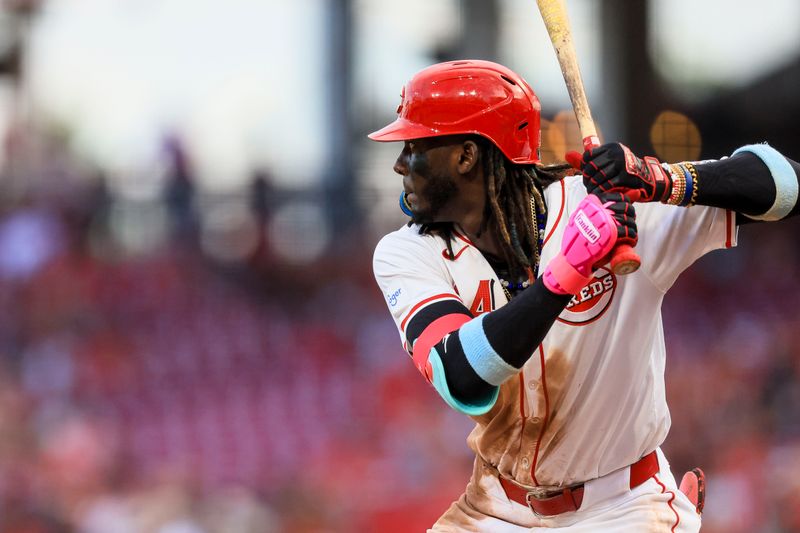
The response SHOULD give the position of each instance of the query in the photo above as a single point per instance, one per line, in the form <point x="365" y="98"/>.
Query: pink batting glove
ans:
<point x="590" y="235"/>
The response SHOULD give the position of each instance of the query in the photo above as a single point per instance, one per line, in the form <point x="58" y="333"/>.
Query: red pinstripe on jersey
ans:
<point x="431" y="335"/>
<point x="671" y="499"/>
<point x="446" y="254"/>
<point x="560" y="212"/>
<point x="541" y="356"/>
<point x="434" y="298"/>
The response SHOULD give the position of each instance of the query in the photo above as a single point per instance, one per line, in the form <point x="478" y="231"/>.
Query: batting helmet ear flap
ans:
<point x="478" y="97"/>
<point x="523" y="134"/>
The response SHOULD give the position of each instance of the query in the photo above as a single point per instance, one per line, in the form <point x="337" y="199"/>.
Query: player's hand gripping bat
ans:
<point x="554" y="12"/>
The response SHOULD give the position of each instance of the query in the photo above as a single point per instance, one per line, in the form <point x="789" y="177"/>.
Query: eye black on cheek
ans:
<point x="418" y="164"/>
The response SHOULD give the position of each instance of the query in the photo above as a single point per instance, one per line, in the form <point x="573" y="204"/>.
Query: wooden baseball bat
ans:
<point x="554" y="13"/>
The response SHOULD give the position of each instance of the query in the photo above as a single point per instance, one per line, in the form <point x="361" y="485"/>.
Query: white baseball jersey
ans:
<point x="591" y="399"/>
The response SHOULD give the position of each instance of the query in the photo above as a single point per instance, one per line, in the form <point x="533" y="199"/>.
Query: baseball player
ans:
<point x="502" y="296"/>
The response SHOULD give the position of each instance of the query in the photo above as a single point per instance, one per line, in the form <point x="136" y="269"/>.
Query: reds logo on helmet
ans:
<point x="593" y="300"/>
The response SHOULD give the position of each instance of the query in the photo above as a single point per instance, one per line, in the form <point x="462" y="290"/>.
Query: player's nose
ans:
<point x="401" y="164"/>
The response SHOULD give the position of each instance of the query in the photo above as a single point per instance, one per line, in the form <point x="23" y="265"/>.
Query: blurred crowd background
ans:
<point x="191" y="340"/>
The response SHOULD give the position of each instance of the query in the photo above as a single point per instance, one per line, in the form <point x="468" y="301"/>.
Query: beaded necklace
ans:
<point x="511" y="288"/>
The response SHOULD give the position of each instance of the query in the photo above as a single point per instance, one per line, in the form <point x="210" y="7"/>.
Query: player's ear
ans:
<point x="468" y="156"/>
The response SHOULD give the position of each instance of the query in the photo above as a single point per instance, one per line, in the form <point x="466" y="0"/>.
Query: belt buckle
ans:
<point x="540" y="494"/>
<point x="528" y="497"/>
<point x="543" y="494"/>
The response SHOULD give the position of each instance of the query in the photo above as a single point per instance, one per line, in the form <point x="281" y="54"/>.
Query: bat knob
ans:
<point x="624" y="260"/>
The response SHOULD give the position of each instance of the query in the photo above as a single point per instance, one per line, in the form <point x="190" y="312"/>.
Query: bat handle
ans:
<point x="624" y="260"/>
<point x="591" y="141"/>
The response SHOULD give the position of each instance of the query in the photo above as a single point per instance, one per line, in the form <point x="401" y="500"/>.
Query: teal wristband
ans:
<point x="440" y="384"/>
<point x="786" y="187"/>
<point x="486" y="362"/>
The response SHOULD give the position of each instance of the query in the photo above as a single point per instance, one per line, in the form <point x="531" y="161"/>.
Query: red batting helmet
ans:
<point x="471" y="96"/>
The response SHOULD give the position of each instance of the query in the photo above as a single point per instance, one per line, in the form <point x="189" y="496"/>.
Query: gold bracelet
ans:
<point x="679" y="168"/>
<point x="678" y="185"/>
<point x="695" y="183"/>
<point x="673" y="185"/>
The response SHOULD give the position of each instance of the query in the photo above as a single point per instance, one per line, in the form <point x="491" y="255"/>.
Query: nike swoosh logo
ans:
<point x="446" y="254"/>
<point x="444" y="341"/>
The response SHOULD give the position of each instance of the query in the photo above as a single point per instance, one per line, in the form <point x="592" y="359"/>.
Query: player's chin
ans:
<point x="419" y="213"/>
<point x="422" y="216"/>
<point x="425" y="211"/>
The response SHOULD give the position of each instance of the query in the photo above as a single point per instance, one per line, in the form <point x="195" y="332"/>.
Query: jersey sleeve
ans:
<point x="671" y="238"/>
<point x="426" y="309"/>
<point x="411" y="278"/>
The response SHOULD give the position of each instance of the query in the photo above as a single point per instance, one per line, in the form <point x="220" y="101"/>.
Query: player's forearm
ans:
<point x="744" y="183"/>
<point x="757" y="181"/>
<point x="511" y="333"/>
<point x="496" y="345"/>
<point x="474" y="357"/>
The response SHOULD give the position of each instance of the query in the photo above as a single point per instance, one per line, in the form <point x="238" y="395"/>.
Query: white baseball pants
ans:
<point x="609" y="505"/>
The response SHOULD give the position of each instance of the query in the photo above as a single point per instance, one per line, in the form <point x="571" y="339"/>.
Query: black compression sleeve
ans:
<point x="742" y="183"/>
<point x="514" y="331"/>
<point x="462" y="380"/>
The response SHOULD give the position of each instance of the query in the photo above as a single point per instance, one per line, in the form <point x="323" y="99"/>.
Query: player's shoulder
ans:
<point x="564" y="194"/>
<point x="568" y="185"/>
<point x="574" y="185"/>
<point x="407" y="236"/>
<point x="405" y="244"/>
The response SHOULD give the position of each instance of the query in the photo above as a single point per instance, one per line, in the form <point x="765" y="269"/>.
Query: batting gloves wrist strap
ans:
<point x="590" y="236"/>
<point x="613" y="167"/>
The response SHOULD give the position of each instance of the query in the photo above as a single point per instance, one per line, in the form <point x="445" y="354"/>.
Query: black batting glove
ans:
<point x="625" y="215"/>
<point x="614" y="168"/>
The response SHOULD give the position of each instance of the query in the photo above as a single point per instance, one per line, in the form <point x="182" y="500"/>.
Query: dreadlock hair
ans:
<point x="514" y="196"/>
